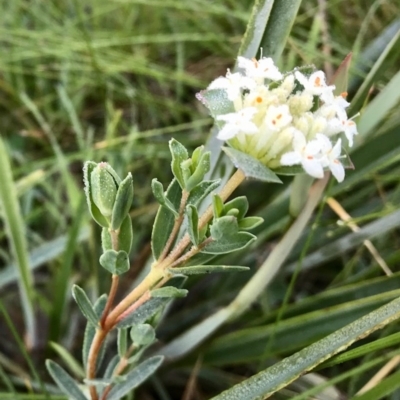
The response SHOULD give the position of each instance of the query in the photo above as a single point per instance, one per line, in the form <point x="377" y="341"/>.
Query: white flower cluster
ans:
<point x="285" y="120"/>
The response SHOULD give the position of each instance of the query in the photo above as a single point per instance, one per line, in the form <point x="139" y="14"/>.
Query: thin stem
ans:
<point x="147" y="283"/>
<point x="236" y="179"/>
<point x="95" y="347"/>
<point x="193" y="251"/>
<point x="177" y="225"/>
<point x="110" y="299"/>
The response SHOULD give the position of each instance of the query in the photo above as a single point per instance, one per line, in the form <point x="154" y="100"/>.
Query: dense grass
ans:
<point x="115" y="81"/>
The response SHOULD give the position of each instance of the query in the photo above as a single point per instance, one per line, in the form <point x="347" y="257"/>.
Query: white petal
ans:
<point x="291" y="158"/>
<point x="313" y="168"/>
<point x="337" y="170"/>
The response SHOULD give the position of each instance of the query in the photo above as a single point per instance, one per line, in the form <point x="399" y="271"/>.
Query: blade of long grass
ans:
<point x="16" y="234"/>
<point x="272" y="379"/>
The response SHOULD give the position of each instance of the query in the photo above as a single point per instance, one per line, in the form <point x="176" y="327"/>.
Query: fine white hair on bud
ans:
<point x="283" y="119"/>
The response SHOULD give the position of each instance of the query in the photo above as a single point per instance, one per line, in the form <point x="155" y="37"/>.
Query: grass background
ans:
<point x="115" y="81"/>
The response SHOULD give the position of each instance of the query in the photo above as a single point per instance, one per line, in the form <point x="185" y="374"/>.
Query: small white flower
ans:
<point x="233" y="84"/>
<point x="277" y="117"/>
<point x="239" y="122"/>
<point x="315" y="84"/>
<point x="348" y="126"/>
<point x="306" y="154"/>
<point x="331" y="155"/>
<point x="261" y="69"/>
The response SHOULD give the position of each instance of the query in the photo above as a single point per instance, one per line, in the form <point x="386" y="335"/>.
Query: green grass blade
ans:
<point x="269" y="381"/>
<point x="16" y="234"/>
<point x="382" y="389"/>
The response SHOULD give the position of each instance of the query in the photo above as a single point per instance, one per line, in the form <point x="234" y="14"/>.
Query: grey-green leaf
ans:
<point x="235" y="242"/>
<point x="193" y="223"/>
<point x="249" y="223"/>
<point x="93" y="209"/>
<point x="85" y="305"/>
<point x="122" y="342"/>
<point x="206" y="269"/>
<point x="202" y="190"/>
<point x="142" y="334"/>
<point x="250" y="166"/>
<point x="144" y="312"/>
<point x="116" y="262"/>
<point x="216" y="100"/>
<point x="135" y="377"/>
<point x="64" y="381"/>
<point x="168" y="292"/>
<point x="179" y="155"/>
<point x="165" y="219"/>
<point x="123" y="202"/>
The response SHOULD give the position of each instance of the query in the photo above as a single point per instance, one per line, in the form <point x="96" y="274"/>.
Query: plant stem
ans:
<point x="177" y="225"/>
<point x="110" y="299"/>
<point x="147" y="283"/>
<point x="236" y="179"/>
<point x="95" y="347"/>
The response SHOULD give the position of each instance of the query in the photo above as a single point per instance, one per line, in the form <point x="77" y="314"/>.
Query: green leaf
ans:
<point x="206" y="269"/>
<point x="362" y="93"/>
<point x="272" y="379"/>
<point x="216" y="100"/>
<point x="375" y="112"/>
<point x="250" y="166"/>
<point x="90" y="331"/>
<point x="123" y="202"/>
<point x="202" y="190"/>
<point x="85" y="305"/>
<point x="142" y="334"/>
<point x="218" y="206"/>
<point x="277" y="30"/>
<point x="341" y="77"/>
<point x="88" y="168"/>
<point x="64" y="381"/>
<point x="125" y="235"/>
<point x="165" y="219"/>
<point x="15" y="230"/>
<point x="226" y="245"/>
<point x="198" y="175"/>
<point x="144" y="312"/>
<point x="193" y="224"/>
<point x="168" y="292"/>
<point x="240" y="203"/>
<point x="224" y="227"/>
<point x="382" y="389"/>
<point x="135" y="377"/>
<point x="69" y="360"/>
<point x="122" y="342"/>
<point x="116" y="262"/>
<point x="249" y="223"/>
<point x="158" y="192"/>
<point x="179" y="155"/>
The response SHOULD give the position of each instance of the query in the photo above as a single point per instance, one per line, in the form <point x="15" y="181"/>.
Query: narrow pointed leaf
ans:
<point x="165" y="219"/>
<point x="169" y="291"/>
<point x="123" y="202"/>
<point x="64" y="381"/>
<point x="206" y="269"/>
<point x="85" y="305"/>
<point x="202" y="190"/>
<point x="179" y="155"/>
<point x="193" y="224"/>
<point x="236" y="242"/>
<point x="135" y="377"/>
<point x="250" y="166"/>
